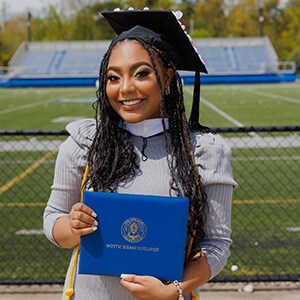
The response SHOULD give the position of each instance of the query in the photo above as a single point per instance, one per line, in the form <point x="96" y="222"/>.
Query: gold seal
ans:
<point x="133" y="230"/>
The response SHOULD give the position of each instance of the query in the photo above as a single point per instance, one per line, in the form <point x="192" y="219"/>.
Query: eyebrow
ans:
<point x="132" y="67"/>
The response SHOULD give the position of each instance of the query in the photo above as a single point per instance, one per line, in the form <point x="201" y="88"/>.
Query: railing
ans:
<point x="265" y="212"/>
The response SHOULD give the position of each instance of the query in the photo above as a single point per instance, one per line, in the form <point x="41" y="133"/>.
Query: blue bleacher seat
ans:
<point x="82" y="59"/>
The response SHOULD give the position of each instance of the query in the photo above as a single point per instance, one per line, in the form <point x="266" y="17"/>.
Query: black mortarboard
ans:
<point x="161" y="29"/>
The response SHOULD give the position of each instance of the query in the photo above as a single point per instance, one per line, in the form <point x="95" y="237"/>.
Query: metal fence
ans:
<point x="265" y="212"/>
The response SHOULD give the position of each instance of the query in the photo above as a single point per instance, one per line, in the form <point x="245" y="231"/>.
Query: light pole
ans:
<point x="28" y="25"/>
<point x="261" y="18"/>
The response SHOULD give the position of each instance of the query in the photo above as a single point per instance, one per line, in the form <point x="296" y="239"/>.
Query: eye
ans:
<point x="142" y="73"/>
<point x="112" y="78"/>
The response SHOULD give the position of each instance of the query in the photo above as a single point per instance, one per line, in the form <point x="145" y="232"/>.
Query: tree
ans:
<point x="209" y="18"/>
<point x="243" y="19"/>
<point x="287" y="44"/>
<point x="152" y="4"/>
<point x="52" y="26"/>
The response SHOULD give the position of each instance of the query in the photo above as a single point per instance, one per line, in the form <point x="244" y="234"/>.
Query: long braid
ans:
<point x="180" y="158"/>
<point x="111" y="158"/>
<point x="179" y="131"/>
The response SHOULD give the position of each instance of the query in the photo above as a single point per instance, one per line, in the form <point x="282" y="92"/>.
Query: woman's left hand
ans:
<point x="148" y="288"/>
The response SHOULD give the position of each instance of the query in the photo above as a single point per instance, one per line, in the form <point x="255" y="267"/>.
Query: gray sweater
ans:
<point x="212" y="157"/>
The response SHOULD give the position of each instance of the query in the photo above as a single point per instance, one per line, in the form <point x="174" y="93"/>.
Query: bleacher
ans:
<point x="58" y="59"/>
<point x="80" y="60"/>
<point x="238" y="55"/>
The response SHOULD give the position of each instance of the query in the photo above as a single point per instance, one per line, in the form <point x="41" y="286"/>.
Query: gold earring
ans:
<point x="167" y="90"/>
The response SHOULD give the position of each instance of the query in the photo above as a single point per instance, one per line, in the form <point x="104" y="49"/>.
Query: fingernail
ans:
<point x="95" y="223"/>
<point x="94" y="228"/>
<point x="94" y="214"/>
<point x="124" y="276"/>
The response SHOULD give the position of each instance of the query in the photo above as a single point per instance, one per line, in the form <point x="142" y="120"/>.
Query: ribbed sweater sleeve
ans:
<point x="212" y="157"/>
<point x="69" y="168"/>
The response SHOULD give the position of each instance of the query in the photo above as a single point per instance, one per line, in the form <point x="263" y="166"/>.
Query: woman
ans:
<point x="140" y="143"/>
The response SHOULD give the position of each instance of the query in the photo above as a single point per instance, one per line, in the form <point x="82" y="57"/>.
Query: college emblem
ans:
<point x="133" y="230"/>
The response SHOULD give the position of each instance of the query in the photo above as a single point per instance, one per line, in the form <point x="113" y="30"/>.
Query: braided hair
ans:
<point x="112" y="159"/>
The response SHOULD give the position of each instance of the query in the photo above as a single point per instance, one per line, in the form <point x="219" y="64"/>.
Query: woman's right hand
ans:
<point x="82" y="220"/>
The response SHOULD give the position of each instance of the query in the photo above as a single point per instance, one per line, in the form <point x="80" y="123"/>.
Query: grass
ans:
<point x="265" y="205"/>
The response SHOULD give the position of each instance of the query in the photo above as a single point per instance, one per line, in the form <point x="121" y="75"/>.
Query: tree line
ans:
<point x="81" y="20"/>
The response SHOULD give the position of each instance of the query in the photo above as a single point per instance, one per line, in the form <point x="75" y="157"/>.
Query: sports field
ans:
<point x="266" y="207"/>
<point x="222" y="105"/>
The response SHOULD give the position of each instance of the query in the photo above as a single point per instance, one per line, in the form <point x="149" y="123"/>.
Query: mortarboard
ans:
<point x="161" y="29"/>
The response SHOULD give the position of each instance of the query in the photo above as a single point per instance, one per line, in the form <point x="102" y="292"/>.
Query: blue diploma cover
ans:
<point x="137" y="234"/>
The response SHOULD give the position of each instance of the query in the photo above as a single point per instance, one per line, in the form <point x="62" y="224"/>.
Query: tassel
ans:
<point x="69" y="293"/>
<point x="194" y="296"/>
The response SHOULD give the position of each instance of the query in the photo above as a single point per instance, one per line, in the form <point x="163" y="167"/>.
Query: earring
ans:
<point x="167" y="90"/>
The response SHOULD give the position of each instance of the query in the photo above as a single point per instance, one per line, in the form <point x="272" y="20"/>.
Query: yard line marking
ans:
<point x="30" y="232"/>
<point x="30" y="105"/>
<point x="25" y="106"/>
<point x="24" y="161"/>
<point x="262" y="158"/>
<point x="293" y="229"/>
<point x="274" y="96"/>
<point x="26" y="172"/>
<point x="22" y="204"/>
<point x="217" y="110"/>
<point x="261" y="201"/>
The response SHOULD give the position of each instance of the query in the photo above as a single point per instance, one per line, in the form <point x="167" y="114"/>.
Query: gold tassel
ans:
<point x="70" y="291"/>
<point x="194" y="296"/>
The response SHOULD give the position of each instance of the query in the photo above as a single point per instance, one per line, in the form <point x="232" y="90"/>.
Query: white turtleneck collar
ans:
<point x="147" y="127"/>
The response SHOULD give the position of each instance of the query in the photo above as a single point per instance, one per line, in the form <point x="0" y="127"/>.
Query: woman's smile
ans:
<point x="131" y="102"/>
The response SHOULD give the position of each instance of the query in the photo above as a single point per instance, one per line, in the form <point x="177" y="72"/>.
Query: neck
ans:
<point x="146" y="128"/>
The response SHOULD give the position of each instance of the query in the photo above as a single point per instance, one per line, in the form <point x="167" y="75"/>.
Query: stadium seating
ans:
<point x="79" y="61"/>
<point x="238" y="55"/>
<point x="58" y="59"/>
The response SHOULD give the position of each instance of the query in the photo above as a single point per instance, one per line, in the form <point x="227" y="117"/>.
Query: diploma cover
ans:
<point x="137" y="234"/>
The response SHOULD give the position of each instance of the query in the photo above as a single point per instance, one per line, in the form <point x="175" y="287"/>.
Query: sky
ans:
<point x="18" y="6"/>
<point x="14" y="7"/>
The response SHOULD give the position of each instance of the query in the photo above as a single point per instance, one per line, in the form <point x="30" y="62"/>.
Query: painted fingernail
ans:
<point x="95" y="223"/>
<point x="124" y="276"/>
<point x="94" y="228"/>
<point x="94" y="214"/>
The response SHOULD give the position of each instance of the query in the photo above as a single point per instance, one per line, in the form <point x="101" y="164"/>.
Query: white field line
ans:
<point x="217" y="110"/>
<point x="25" y="106"/>
<point x="274" y="96"/>
<point x="30" y="232"/>
<point x="265" y="158"/>
<point x="25" y="161"/>
<point x="34" y="104"/>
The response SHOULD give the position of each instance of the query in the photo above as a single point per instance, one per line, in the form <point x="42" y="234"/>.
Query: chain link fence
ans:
<point x="265" y="212"/>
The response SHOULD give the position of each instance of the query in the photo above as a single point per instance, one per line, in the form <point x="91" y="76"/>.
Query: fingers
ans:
<point x="131" y="283"/>
<point x="144" y="287"/>
<point x="82" y="219"/>
<point x="128" y="277"/>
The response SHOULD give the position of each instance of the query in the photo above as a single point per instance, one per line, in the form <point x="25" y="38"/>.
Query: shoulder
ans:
<point x="209" y="143"/>
<point x="212" y="157"/>
<point x="82" y="132"/>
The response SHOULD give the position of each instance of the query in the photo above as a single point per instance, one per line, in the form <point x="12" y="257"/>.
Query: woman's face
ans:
<point x="132" y="86"/>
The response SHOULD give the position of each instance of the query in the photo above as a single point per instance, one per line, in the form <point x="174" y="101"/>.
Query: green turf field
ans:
<point x="265" y="214"/>
<point x="223" y="105"/>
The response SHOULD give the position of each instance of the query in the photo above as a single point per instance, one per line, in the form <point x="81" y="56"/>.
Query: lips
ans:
<point x="131" y="102"/>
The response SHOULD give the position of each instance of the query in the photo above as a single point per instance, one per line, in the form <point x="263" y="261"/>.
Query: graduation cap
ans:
<point x="161" y="29"/>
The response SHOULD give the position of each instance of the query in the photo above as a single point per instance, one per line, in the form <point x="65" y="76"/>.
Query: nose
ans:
<point x="127" y="86"/>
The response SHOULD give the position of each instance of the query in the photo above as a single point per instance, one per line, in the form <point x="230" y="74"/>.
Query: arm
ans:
<point x="65" y="219"/>
<point x="68" y="229"/>
<point x="196" y="273"/>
